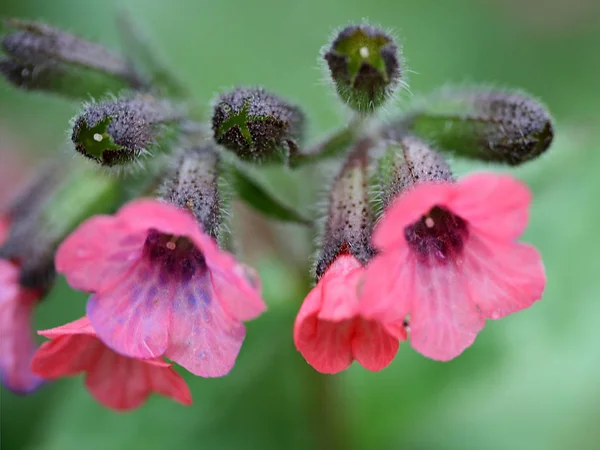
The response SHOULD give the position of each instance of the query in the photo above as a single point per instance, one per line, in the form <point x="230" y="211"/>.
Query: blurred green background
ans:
<point x="530" y="381"/>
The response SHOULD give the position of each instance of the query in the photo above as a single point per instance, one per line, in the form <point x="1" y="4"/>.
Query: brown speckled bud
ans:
<point x="193" y="184"/>
<point x="488" y="125"/>
<point x="349" y="221"/>
<point x="407" y="162"/>
<point x="257" y="125"/>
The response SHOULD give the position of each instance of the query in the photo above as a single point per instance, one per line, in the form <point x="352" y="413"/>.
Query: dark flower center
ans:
<point x="176" y="255"/>
<point x="438" y="236"/>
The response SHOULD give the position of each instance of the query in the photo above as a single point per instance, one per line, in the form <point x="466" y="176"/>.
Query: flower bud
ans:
<point x="349" y="221"/>
<point x="74" y="83"/>
<point x="62" y="194"/>
<point x="364" y="63"/>
<point x="41" y="57"/>
<point x="495" y="126"/>
<point x="118" y="132"/>
<point x="407" y="162"/>
<point x="257" y="125"/>
<point x="194" y="184"/>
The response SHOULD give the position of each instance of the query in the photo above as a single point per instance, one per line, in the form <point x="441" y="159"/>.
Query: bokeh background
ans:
<point x="530" y="381"/>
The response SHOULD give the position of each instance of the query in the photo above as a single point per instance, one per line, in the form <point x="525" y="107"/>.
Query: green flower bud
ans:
<point x="257" y="125"/>
<point x="364" y="63"/>
<point x="483" y="124"/>
<point x="40" y="57"/>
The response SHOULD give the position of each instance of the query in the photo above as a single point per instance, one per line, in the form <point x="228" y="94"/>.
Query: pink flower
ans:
<point x="450" y="260"/>
<point x="116" y="381"/>
<point x="329" y="330"/>
<point x="161" y="287"/>
<point x="17" y="343"/>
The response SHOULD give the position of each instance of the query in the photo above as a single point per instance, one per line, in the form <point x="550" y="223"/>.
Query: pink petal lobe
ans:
<point x="496" y="205"/>
<point x="118" y="382"/>
<point x="330" y="333"/>
<point x="17" y="344"/>
<point x="122" y="383"/>
<point x="79" y="326"/>
<point x="66" y="355"/>
<point x="502" y="278"/>
<point x="133" y="317"/>
<point x="372" y="345"/>
<point x="98" y="253"/>
<point x="388" y="289"/>
<point x="443" y="321"/>
<point x="204" y="338"/>
<point x="406" y="209"/>
<point x="236" y="285"/>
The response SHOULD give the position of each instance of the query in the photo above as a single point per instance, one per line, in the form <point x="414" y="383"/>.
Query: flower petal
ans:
<point x="99" y="251"/>
<point x="496" y="205"/>
<point x="236" y="286"/>
<point x="66" y="355"/>
<point x="386" y="288"/>
<point x="372" y="346"/>
<point x="17" y="344"/>
<point x="204" y="338"/>
<point x="502" y="278"/>
<point x="443" y="321"/>
<point x="133" y="317"/>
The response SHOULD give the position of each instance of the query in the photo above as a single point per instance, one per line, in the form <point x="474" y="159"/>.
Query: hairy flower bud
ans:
<point x="74" y="82"/>
<point x="364" y="63"/>
<point x="349" y="221"/>
<point x="61" y="195"/>
<point x="37" y="45"/>
<point x="257" y="125"/>
<point x="488" y="125"/>
<point x="194" y="185"/>
<point x="118" y="132"/>
<point x="407" y="162"/>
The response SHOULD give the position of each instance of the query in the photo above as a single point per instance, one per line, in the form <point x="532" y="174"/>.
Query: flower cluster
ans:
<point x="140" y="224"/>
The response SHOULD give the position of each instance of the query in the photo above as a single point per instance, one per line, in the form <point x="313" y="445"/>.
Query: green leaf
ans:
<point x="250" y="191"/>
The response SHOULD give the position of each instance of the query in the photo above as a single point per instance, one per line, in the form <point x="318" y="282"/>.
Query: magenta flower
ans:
<point x="116" y="381"/>
<point x="329" y="330"/>
<point x="17" y="343"/>
<point x="450" y="260"/>
<point x="161" y="287"/>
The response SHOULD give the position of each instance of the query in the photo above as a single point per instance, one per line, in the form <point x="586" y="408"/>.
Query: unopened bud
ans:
<point x="488" y="125"/>
<point x="118" y="132"/>
<point x="257" y="125"/>
<point x="194" y="185"/>
<point x="349" y="220"/>
<point x="41" y="57"/>
<point x="364" y="63"/>
<point x="407" y="162"/>
<point x="49" y="209"/>
<point x="74" y="83"/>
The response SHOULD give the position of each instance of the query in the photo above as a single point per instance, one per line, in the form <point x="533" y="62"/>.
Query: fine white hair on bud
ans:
<point x="118" y="132"/>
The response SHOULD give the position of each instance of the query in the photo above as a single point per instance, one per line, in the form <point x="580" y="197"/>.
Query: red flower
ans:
<point x="161" y="287"/>
<point x="450" y="260"/>
<point x="17" y="343"/>
<point x="329" y="330"/>
<point x="116" y="381"/>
